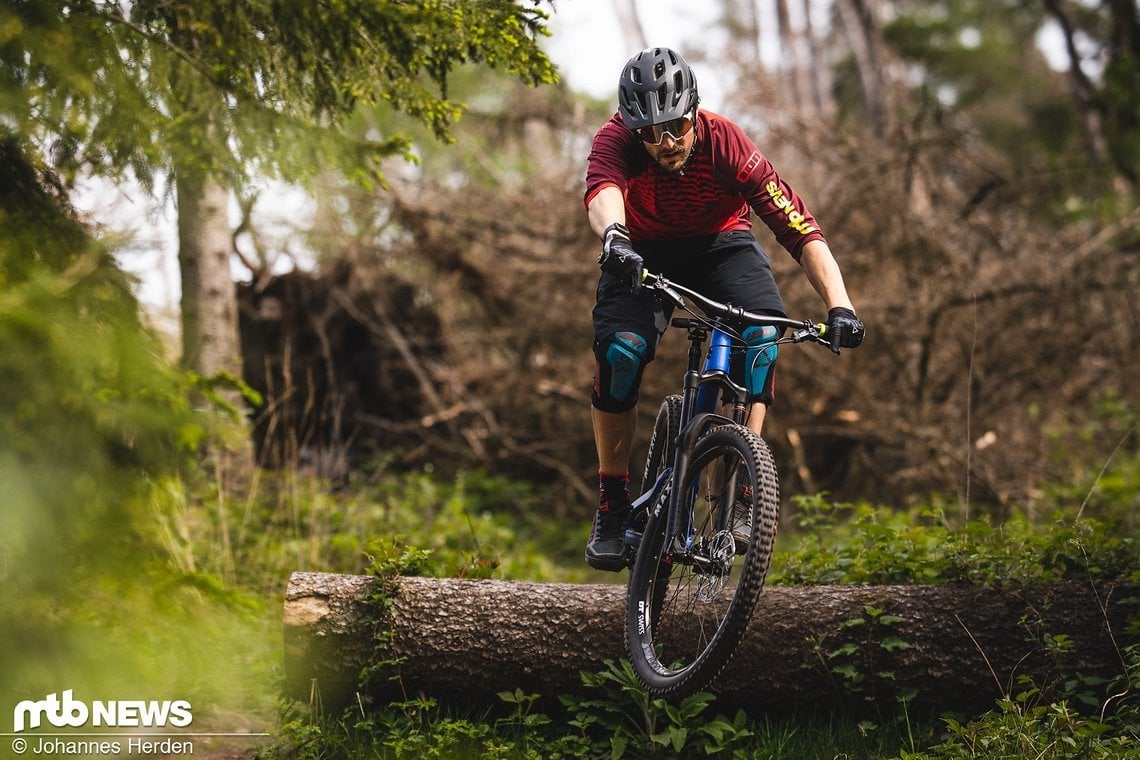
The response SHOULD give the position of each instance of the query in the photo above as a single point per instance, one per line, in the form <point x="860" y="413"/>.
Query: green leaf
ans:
<point x="891" y="643"/>
<point x="846" y="649"/>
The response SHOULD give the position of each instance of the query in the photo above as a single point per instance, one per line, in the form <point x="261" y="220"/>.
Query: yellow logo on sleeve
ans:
<point x="795" y="219"/>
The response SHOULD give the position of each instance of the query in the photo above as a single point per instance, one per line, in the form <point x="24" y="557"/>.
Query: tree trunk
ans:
<point x="791" y="62"/>
<point x="463" y="641"/>
<point x="210" y="341"/>
<point x="818" y="67"/>
<point x="632" y="31"/>
<point x="862" y="32"/>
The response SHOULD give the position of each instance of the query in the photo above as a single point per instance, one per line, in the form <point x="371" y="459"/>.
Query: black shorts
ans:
<point x="729" y="267"/>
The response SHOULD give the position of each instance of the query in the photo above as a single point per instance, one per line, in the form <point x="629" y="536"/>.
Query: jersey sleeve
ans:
<point x="608" y="162"/>
<point x="779" y="206"/>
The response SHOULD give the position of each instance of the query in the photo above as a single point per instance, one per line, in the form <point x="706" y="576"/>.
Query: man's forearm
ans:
<point x="823" y="272"/>
<point x="605" y="208"/>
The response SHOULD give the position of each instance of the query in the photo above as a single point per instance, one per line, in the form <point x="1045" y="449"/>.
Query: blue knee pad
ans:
<point x="758" y="360"/>
<point x="621" y="360"/>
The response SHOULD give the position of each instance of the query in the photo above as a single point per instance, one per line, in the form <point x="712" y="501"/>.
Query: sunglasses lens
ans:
<point x="675" y="128"/>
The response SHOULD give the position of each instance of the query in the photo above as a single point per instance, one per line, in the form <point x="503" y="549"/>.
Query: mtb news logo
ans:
<point x="64" y="711"/>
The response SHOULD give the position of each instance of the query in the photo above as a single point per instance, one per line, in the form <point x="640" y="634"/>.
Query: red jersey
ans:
<point x="725" y="176"/>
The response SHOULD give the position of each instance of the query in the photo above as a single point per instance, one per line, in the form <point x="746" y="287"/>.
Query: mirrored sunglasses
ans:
<point x="675" y="128"/>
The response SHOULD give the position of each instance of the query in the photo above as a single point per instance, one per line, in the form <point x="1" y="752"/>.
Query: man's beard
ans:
<point x="679" y="168"/>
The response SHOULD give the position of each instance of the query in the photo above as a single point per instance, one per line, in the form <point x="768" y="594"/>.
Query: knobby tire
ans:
<point x="661" y="443"/>
<point x="683" y="622"/>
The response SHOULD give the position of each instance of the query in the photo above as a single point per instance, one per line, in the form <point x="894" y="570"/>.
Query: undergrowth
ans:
<point x="471" y="525"/>
<point x="843" y="543"/>
<point x="474" y="525"/>
<point x="612" y="716"/>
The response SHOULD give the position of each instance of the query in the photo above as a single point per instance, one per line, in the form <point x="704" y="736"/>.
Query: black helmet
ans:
<point x="656" y="85"/>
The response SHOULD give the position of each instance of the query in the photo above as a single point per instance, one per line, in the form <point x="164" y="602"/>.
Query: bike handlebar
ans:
<point x="803" y="330"/>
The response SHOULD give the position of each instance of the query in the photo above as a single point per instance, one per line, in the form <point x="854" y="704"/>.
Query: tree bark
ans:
<point x="210" y="342"/>
<point x="463" y="641"/>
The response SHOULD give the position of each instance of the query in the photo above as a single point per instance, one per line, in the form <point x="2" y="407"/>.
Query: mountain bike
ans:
<point x="693" y="585"/>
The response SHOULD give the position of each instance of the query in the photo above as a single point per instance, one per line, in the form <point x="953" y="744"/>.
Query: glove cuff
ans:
<point x="615" y="229"/>
<point x="840" y="311"/>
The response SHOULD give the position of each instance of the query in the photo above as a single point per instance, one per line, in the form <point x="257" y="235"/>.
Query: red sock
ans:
<point x="613" y="487"/>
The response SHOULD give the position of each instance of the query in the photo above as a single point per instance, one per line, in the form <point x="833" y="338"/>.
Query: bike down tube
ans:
<point x="698" y="417"/>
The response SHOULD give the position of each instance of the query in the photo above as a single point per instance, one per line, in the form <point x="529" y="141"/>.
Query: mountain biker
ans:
<point x="669" y="187"/>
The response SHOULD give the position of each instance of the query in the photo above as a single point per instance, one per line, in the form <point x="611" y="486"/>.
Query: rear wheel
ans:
<point x="657" y="460"/>
<point x="664" y="439"/>
<point x="689" y="604"/>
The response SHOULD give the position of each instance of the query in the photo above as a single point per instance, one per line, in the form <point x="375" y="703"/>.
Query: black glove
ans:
<point x="846" y="329"/>
<point x="618" y="257"/>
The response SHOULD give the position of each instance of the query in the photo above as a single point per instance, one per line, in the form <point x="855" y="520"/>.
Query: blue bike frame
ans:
<point x="703" y="386"/>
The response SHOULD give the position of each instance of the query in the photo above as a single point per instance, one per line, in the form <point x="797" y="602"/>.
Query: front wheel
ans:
<point x="691" y="596"/>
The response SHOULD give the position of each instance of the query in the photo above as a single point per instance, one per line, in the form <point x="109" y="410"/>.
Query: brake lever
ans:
<point x="833" y="343"/>
<point x="672" y="295"/>
<point x="816" y="333"/>
<point x="655" y="282"/>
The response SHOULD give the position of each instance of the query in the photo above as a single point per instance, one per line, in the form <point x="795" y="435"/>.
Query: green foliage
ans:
<point x="614" y="718"/>
<point x="85" y="405"/>
<point x="420" y="728"/>
<point x="860" y="543"/>
<point x="1099" y="485"/>
<point x="625" y="721"/>
<point x="471" y="525"/>
<point x="93" y="423"/>
<point x="621" y="721"/>
<point x="1018" y="728"/>
<point x="853" y="658"/>
<point x="153" y="85"/>
<point x="980" y="59"/>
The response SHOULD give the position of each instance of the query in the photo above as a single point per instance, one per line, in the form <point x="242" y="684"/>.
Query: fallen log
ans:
<point x="945" y="647"/>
